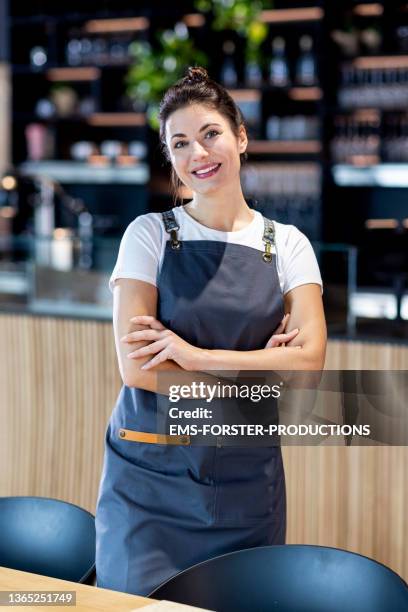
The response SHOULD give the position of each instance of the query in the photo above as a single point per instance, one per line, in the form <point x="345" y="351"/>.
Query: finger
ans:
<point x="290" y="335"/>
<point x="150" y="349"/>
<point x="162" y="356"/>
<point x="286" y="337"/>
<point x="148" y="320"/>
<point x="281" y="339"/>
<point x="143" y="334"/>
<point x="273" y="343"/>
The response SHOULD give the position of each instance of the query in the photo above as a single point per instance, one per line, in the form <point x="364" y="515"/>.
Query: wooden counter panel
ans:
<point x="59" y="382"/>
<point x="350" y="355"/>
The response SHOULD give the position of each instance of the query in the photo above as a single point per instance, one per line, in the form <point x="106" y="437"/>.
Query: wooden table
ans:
<point x="87" y="597"/>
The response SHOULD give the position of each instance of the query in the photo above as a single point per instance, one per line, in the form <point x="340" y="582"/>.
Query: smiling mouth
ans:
<point x="207" y="173"/>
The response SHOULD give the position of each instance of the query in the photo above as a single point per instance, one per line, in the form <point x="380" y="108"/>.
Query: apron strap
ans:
<point x="269" y="240"/>
<point x="171" y="226"/>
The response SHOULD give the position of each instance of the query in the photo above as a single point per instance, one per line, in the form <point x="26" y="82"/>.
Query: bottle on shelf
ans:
<point x="253" y="74"/>
<point x="38" y="57"/>
<point x="290" y="192"/>
<point x="385" y="88"/>
<point x="228" y="76"/>
<point x="306" y="70"/>
<point x="356" y="139"/>
<point x="73" y="52"/>
<point x="292" y="127"/>
<point x="395" y="143"/>
<point x="278" y="67"/>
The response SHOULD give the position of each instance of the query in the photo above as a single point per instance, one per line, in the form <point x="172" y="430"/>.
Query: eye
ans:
<point x="212" y="132"/>
<point x="179" y="142"/>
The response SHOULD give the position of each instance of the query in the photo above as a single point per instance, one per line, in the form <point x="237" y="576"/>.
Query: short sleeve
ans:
<point x="139" y="251"/>
<point x="298" y="261"/>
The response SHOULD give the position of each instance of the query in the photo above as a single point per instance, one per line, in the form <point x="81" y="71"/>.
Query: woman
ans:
<point x="201" y="288"/>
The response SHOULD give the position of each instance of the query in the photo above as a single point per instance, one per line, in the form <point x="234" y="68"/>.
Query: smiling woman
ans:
<point x="218" y="124"/>
<point x="208" y="153"/>
<point x="200" y="287"/>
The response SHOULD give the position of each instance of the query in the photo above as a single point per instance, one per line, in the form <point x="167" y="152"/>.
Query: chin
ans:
<point x="214" y="186"/>
<point x="210" y="190"/>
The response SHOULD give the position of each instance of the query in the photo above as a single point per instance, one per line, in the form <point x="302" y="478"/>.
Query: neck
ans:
<point x="225" y="210"/>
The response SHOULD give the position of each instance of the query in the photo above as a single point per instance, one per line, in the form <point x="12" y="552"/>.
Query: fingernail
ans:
<point x="296" y="329"/>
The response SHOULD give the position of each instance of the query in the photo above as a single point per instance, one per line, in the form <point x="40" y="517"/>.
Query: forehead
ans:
<point x="191" y="118"/>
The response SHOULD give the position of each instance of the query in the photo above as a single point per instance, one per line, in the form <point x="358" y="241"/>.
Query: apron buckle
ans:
<point x="267" y="255"/>
<point x="175" y="242"/>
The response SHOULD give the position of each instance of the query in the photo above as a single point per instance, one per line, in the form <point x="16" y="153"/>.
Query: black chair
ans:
<point x="48" y="537"/>
<point x="290" y="578"/>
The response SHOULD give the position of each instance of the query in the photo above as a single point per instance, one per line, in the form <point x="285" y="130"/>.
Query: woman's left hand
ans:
<point x="164" y="344"/>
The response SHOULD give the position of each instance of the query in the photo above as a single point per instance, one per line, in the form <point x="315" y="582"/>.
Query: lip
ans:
<point x="215" y="166"/>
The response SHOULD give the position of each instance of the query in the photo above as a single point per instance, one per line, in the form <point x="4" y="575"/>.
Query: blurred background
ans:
<point x="323" y="87"/>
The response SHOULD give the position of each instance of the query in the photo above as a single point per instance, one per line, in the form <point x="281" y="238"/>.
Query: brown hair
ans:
<point x="197" y="88"/>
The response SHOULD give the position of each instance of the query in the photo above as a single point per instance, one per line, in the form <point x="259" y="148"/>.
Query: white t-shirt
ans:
<point x="142" y="248"/>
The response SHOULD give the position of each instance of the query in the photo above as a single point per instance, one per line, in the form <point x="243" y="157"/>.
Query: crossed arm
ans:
<point x="145" y="347"/>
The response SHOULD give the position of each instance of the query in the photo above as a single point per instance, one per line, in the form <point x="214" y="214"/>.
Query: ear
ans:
<point x="242" y="139"/>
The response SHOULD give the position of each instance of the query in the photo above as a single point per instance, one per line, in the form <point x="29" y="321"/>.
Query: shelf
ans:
<point x="106" y="26"/>
<point x="373" y="9"/>
<point x="377" y="304"/>
<point x="24" y="69"/>
<point x="305" y="93"/>
<point x="76" y="172"/>
<point x="285" y="146"/>
<point x="379" y="175"/>
<point x="71" y="18"/>
<point x="194" y="20"/>
<point x="245" y="95"/>
<point x="380" y="62"/>
<point x="117" y="119"/>
<point x="294" y="93"/>
<point x="95" y="119"/>
<point x="373" y="224"/>
<point x="67" y="308"/>
<point x="313" y="13"/>
<point x="73" y="74"/>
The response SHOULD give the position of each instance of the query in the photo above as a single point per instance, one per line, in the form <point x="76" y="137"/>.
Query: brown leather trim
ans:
<point x="152" y="438"/>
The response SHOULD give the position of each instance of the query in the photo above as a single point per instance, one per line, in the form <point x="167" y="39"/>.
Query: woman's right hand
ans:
<point x="279" y="336"/>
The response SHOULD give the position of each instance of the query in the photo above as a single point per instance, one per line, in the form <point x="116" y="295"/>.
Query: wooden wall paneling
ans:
<point x="348" y="355"/>
<point x="350" y="497"/>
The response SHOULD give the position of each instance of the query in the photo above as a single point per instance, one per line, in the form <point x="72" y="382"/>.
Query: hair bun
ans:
<point x="196" y="74"/>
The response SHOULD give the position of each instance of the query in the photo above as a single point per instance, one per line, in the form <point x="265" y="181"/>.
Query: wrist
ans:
<point x="204" y="360"/>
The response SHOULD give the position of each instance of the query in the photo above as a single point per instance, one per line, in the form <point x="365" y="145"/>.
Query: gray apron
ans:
<point x="162" y="508"/>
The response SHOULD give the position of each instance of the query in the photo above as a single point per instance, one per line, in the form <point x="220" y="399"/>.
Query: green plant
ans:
<point x="241" y="16"/>
<point x="156" y="68"/>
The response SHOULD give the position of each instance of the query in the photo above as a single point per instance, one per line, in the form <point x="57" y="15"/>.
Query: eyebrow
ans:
<point x="200" y="130"/>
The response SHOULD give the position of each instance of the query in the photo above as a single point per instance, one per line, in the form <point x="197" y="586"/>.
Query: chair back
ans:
<point x="288" y="578"/>
<point x="48" y="537"/>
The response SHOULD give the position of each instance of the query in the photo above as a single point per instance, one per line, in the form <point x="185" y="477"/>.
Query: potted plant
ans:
<point x="156" y="68"/>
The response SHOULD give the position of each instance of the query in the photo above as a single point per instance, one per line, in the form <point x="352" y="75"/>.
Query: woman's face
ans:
<point x="203" y="149"/>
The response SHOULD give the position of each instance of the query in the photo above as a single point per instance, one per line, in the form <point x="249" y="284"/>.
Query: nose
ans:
<point x="198" y="151"/>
